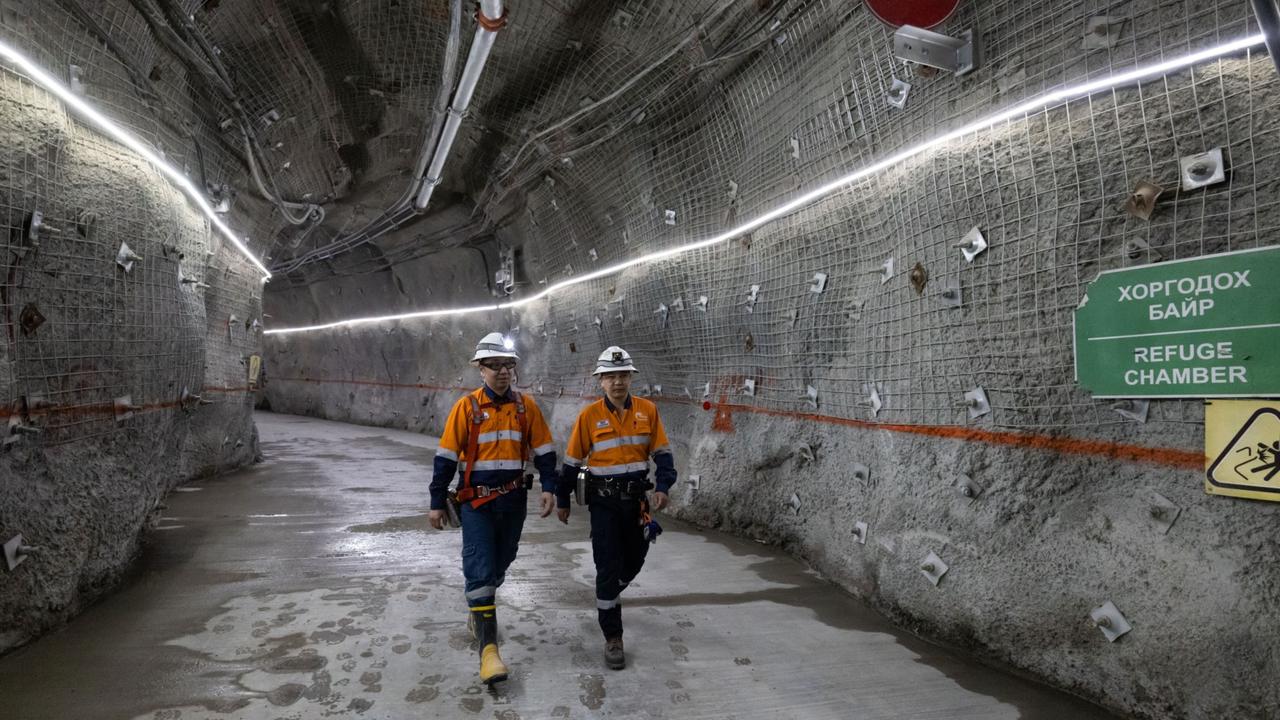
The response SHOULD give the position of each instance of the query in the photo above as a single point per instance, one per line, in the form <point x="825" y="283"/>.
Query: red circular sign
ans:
<point x="920" y="13"/>
<point x="706" y="404"/>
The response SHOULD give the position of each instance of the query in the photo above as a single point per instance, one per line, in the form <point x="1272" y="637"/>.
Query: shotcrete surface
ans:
<point x="310" y="585"/>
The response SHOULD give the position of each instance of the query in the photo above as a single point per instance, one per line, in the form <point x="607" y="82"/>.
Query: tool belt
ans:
<point x="619" y="487"/>
<point x="472" y="492"/>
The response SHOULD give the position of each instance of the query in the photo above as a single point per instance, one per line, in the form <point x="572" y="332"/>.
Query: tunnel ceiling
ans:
<point x="341" y="95"/>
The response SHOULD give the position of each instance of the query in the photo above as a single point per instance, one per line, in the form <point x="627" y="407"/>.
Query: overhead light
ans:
<point x="1050" y="99"/>
<point x="37" y="75"/>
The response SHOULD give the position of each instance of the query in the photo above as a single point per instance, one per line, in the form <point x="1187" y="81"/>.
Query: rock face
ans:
<point x="96" y="356"/>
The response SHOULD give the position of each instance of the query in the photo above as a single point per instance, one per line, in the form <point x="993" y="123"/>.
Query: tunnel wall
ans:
<point x="1067" y="516"/>
<point x="95" y="358"/>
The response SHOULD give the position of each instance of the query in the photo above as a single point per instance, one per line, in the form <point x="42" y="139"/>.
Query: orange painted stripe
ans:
<point x="1169" y="457"/>
<point x="80" y="412"/>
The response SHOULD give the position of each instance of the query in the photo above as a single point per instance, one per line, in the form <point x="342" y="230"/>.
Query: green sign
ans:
<point x="1205" y="327"/>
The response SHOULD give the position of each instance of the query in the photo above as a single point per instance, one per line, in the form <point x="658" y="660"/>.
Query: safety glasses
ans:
<point x="496" y="365"/>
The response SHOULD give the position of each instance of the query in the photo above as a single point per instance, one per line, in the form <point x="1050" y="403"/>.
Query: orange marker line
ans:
<point x="1170" y="457"/>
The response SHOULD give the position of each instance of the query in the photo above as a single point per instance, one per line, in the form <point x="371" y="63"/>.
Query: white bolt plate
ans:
<point x="1102" y="31"/>
<point x="1119" y="626"/>
<point x="876" y="403"/>
<point x="1135" y="409"/>
<point x="981" y="407"/>
<point x="898" y="92"/>
<point x="860" y="532"/>
<point x="860" y="472"/>
<point x="819" y="283"/>
<point x="123" y="258"/>
<point x="1212" y="171"/>
<point x="124" y="407"/>
<point x="952" y="296"/>
<point x="1162" y="512"/>
<point x="1138" y="251"/>
<point x="974" y="244"/>
<point x="939" y="568"/>
<point x="964" y="481"/>
<point x="11" y="557"/>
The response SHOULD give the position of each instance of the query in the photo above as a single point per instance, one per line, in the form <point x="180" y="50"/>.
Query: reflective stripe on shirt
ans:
<point x="616" y="442"/>
<point x="495" y="465"/>
<point x="497" y="435"/>
<point x="606" y="470"/>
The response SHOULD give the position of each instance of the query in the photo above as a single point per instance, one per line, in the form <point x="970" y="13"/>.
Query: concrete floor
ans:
<point x="310" y="586"/>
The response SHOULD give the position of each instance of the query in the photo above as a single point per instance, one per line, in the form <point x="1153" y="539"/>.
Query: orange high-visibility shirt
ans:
<point x="619" y="443"/>
<point x="500" y="443"/>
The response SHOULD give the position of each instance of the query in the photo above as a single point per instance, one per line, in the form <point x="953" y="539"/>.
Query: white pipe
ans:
<point x="480" y="48"/>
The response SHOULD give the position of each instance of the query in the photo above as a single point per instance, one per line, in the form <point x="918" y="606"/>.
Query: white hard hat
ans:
<point x="614" y="359"/>
<point x="494" y="345"/>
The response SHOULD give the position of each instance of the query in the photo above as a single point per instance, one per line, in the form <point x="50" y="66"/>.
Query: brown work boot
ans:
<point x="613" y="655"/>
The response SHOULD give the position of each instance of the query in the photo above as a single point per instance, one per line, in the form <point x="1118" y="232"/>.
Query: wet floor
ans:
<point x="310" y="586"/>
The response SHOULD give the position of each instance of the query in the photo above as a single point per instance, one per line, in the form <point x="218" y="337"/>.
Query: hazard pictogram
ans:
<point x="1250" y="460"/>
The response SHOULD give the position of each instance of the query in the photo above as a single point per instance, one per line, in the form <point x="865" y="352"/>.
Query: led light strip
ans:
<point x="55" y="86"/>
<point x="1040" y="103"/>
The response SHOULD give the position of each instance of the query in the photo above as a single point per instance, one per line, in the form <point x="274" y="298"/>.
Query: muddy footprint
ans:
<point x="592" y="691"/>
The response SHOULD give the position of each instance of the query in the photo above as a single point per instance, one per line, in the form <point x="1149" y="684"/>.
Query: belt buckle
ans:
<point x="604" y="491"/>
<point x="482" y="491"/>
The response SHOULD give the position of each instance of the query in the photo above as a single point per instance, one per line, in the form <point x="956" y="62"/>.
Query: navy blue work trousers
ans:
<point x="490" y="539"/>
<point x="619" y="548"/>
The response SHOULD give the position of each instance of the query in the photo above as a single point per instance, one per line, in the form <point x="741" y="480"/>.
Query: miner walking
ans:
<point x="491" y="431"/>
<point x="610" y="446"/>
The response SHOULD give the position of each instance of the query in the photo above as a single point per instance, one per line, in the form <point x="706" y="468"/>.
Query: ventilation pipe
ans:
<point x="1269" y="21"/>
<point x="492" y="18"/>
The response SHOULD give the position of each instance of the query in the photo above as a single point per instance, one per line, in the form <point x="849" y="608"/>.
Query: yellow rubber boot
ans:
<point x="492" y="669"/>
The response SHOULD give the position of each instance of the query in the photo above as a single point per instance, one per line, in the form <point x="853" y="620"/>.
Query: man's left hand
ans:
<point x="547" y="503"/>
<point x="660" y="500"/>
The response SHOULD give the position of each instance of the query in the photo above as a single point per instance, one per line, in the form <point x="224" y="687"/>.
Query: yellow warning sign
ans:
<point x="255" y="367"/>
<point x="1242" y="448"/>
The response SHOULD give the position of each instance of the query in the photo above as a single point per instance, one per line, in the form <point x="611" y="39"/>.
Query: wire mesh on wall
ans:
<point x="109" y="271"/>
<point x="706" y="151"/>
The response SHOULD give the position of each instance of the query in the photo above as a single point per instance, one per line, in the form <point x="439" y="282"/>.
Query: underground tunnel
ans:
<point x="863" y="359"/>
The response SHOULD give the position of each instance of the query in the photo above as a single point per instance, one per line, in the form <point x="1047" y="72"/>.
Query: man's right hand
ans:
<point x="563" y="515"/>
<point x="436" y="518"/>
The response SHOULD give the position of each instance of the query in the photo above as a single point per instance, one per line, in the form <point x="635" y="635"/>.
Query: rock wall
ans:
<point x="96" y="358"/>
